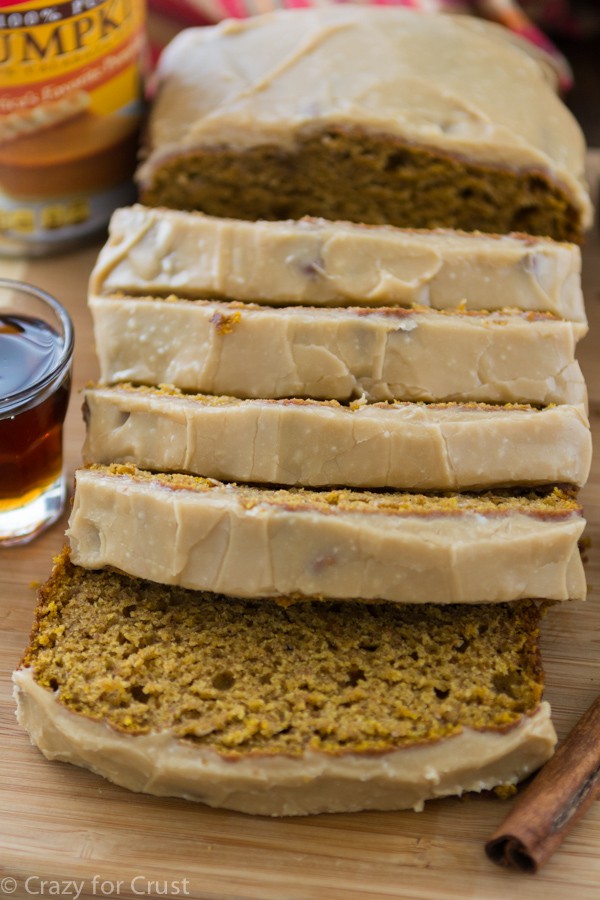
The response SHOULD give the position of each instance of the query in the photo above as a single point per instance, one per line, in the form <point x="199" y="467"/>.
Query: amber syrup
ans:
<point x="31" y="427"/>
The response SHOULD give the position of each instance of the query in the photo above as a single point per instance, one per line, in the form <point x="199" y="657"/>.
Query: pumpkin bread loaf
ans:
<point x="291" y="650"/>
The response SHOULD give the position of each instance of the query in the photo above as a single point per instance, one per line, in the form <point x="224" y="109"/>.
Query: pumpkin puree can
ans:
<point x="71" y="102"/>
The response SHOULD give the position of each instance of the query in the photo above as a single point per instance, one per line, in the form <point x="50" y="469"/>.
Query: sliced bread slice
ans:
<point x="314" y="262"/>
<point x="258" y="542"/>
<point x="278" y="708"/>
<point x="320" y="443"/>
<point x="246" y="350"/>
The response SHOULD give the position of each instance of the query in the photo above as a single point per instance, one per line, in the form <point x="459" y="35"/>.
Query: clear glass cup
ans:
<point x="36" y="355"/>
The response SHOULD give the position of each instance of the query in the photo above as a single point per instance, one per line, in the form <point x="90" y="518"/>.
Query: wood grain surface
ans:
<point x="66" y="832"/>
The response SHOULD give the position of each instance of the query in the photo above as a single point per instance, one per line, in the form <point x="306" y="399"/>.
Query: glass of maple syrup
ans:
<point x="36" y="353"/>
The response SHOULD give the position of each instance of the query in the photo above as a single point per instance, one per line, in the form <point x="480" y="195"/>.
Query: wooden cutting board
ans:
<point x="65" y="832"/>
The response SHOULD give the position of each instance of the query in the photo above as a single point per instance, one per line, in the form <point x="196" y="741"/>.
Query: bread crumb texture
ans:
<point x="544" y="503"/>
<point x="212" y="400"/>
<point x="261" y="677"/>
<point x="347" y="173"/>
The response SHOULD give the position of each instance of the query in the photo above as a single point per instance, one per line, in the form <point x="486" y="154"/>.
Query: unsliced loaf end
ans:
<point x="345" y="173"/>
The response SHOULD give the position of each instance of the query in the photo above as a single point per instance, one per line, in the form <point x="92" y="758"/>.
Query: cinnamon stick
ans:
<point x="556" y="798"/>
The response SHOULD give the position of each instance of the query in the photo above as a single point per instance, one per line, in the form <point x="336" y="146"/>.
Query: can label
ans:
<point x="70" y="109"/>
